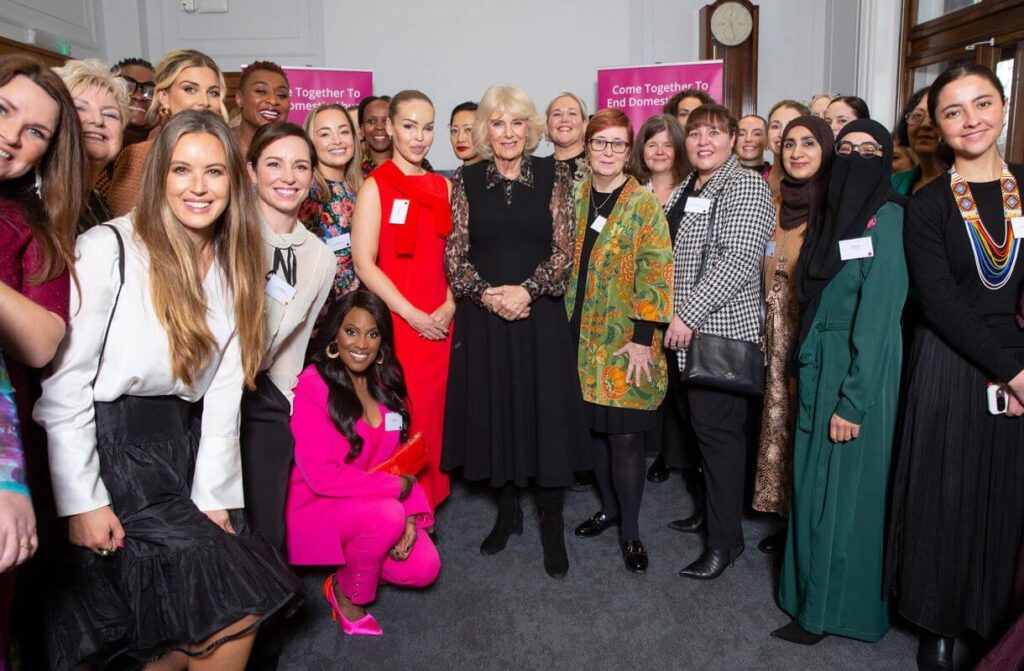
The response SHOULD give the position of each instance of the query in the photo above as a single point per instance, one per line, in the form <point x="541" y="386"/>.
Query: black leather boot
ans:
<point x="693" y="524"/>
<point x="711" y="564"/>
<point x="775" y="543"/>
<point x="658" y="472"/>
<point x="935" y="653"/>
<point x="552" y="531"/>
<point x="510" y="521"/>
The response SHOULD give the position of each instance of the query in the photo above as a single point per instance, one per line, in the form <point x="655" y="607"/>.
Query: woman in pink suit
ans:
<point x="350" y="415"/>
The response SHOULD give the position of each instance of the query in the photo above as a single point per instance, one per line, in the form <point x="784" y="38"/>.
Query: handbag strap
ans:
<point x="117" y="296"/>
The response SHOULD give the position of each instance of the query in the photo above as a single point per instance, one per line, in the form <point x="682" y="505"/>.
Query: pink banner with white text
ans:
<point x="314" y="86"/>
<point x="642" y="91"/>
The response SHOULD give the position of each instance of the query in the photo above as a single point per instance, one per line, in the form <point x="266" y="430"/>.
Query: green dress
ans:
<point x="849" y="364"/>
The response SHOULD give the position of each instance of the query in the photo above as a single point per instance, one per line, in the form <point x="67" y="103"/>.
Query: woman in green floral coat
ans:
<point x="619" y="295"/>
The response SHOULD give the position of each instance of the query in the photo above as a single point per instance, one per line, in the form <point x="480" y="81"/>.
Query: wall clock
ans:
<point x="728" y="32"/>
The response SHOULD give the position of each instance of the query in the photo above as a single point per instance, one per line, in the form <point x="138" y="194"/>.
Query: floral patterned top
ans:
<point x="550" y="276"/>
<point x="330" y="219"/>
<point x="12" y="458"/>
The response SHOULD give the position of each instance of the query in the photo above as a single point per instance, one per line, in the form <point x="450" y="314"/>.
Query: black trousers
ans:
<point x="719" y="419"/>
<point x="267" y="449"/>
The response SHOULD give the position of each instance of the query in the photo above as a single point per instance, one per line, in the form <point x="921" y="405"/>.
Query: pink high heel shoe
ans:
<point x="364" y="626"/>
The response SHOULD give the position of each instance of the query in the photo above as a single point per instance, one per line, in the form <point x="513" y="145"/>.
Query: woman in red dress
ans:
<point x="401" y="220"/>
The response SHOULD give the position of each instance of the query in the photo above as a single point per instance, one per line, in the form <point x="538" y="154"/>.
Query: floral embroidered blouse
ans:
<point x="12" y="458"/>
<point x="330" y="219"/>
<point x="551" y="274"/>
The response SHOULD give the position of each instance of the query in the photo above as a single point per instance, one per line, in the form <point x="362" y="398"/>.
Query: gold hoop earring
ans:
<point x="165" y="112"/>
<point x="380" y="358"/>
<point x="332" y="354"/>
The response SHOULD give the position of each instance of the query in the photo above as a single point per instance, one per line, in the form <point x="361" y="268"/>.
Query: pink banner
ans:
<point x="314" y="86"/>
<point x="642" y="91"/>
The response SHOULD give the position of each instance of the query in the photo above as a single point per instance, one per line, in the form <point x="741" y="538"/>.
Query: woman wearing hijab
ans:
<point x="851" y="282"/>
<point x="806" y="162"/>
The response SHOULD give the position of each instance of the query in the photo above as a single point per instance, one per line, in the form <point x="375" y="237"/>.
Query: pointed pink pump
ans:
<point x="364" y="626"/>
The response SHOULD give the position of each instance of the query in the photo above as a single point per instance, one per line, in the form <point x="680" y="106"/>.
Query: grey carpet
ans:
<point x="503" y="612"/>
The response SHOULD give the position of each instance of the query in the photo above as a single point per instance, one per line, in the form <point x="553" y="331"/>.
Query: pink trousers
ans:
<point x="367" y="529"/>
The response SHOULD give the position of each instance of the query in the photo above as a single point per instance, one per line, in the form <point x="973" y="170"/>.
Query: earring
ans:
<point x="165" y="112"/>
<point x="380" y="358"/>
<point x="332" y="353"/>
<point x="39" y="182"/>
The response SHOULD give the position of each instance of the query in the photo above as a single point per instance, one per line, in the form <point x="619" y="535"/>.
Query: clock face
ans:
<point x="731" y="24"/>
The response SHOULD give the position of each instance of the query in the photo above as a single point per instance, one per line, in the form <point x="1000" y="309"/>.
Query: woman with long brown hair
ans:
<point x="142" y="415"/>
<point x="185" y="79"/>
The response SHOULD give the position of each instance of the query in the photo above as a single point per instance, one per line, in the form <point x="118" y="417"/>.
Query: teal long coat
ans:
<point x="849" y="364"/>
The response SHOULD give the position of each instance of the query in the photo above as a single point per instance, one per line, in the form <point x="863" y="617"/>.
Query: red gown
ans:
<point x="420" y="277"/>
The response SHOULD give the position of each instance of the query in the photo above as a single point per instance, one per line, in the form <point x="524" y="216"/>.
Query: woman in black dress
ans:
<point x="958" y="492"/>
<point x="514" y="411"/>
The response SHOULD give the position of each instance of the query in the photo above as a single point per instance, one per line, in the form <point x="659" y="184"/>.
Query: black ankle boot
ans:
<point x="552" y="531"/>
<point x="510" y="521"/>
<point x="935" y="653"/>
<point x="658" y="472"/>
<point x="711" y="564"/>
<point x="775" y="543"/>
<point x="693" y="524"/>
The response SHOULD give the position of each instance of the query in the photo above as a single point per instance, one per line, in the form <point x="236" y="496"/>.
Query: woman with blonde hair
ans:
<point x="142" y="413"/>
<point x="328" y="210"/>
<point x="101" y="99"/>
<point x="512" y="374"/>
<point x="566" y="116"/>
<point x="185" y="79"/>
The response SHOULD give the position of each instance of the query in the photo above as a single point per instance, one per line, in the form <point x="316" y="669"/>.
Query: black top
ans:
<point x="601" y="204"/>
<point x="577" y="164"/>
<point x="979" y="323"/>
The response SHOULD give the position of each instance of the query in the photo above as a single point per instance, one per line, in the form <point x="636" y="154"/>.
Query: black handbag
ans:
<point x="736" y="366"/>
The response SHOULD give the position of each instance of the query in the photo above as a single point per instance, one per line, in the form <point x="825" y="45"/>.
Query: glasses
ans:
<point x="145" y="88"/>
<point x="916" y="118"/>
<point x="865" y="149"/>
<point x="599" y="144"/>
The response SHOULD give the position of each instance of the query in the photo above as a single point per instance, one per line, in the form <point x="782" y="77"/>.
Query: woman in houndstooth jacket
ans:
<point x="725" y="301"/>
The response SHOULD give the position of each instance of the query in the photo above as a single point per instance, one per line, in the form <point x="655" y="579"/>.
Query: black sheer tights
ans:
<point x="620" y="466"/>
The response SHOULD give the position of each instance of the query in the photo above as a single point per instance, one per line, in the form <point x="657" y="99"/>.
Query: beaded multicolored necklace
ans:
<point x="995" y="262"/>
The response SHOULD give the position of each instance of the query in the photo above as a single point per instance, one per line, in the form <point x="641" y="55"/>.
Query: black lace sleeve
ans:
<point x="551" y="275"/>
<point x="462" y="276"/>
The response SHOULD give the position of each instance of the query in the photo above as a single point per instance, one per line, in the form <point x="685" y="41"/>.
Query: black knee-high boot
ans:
<point x="552" y="530"/>
<point x="510" y="521"/>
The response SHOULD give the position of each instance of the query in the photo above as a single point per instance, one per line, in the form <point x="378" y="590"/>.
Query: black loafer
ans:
<point x="773" y="544"/>
<point x="711" y="564"/>
<point x="635" y="556"/>
<point x="658" y="472"/>
<point x="596" y="525"/>
<point x="693" y="524"/>
<point x="935" y="653"/>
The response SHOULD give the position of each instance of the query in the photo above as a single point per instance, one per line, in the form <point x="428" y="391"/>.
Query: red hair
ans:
<point x="605" y="119"/>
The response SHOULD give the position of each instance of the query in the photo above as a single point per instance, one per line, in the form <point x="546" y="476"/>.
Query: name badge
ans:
<point x="399" y="210"/>
<point x="1017" y="224"/>
<point x="697" y="205"/>
<point x="856" y="248"/>
<point x="343" y="241"/>
<point x="392" y="421"/>
<point x="279" y="290"/>
<point x="599" y="223"/>
<point x="769" y="249"/>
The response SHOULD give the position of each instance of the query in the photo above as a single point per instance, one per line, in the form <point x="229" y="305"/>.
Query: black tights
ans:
<point x="620" y="466"/>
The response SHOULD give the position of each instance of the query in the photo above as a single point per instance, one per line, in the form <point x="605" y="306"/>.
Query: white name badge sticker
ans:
<point x="1017" y="223"/>
<point x="697" y="205"/>
<point x="399" y="210"/>
<point x="856" y="248"/>
<point x="769" y="249"/>
<point x="599" y="223"/>
<point x="279" y="290"/>
<point x="392" y="421"/>
<point x="338" y="243"/>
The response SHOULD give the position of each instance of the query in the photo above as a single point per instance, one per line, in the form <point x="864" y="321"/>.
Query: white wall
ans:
<point x="454" y="49"/>
<point x="77" y="23"/>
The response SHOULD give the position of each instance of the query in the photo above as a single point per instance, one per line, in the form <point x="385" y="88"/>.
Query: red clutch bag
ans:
<point x="409" y="459"/>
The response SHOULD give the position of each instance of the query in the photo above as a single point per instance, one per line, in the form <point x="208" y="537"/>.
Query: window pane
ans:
<point x="933" y="9"/>
<point x="1004" y="70"/>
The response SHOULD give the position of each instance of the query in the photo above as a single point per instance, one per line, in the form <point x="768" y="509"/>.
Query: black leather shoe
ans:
<point x="596" y="525"/>
<point x="634" y="555"/>
<point x="693" y="524"/>
<point x="504" y="527"/>
<point x="773" y="544"/>
<point x="711" y="564"/>
<point x="794" y="633"/>
<point x="935" y="653"/>
<point x="658" y="472"/>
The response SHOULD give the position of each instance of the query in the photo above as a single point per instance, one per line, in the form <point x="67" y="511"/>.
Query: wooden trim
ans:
<point x="49" y="58"/>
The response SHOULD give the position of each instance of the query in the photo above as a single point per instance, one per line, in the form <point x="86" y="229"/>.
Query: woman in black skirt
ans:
<point x="513" y="414"/>
<point x="142" y="412"/>
<point x="958" y="493"/>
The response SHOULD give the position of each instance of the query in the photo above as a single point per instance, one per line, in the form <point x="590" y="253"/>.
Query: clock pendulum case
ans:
<point x="728" y="32"/>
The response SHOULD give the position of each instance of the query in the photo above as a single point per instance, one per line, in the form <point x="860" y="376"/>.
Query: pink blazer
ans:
<point x="321" y="480"/>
